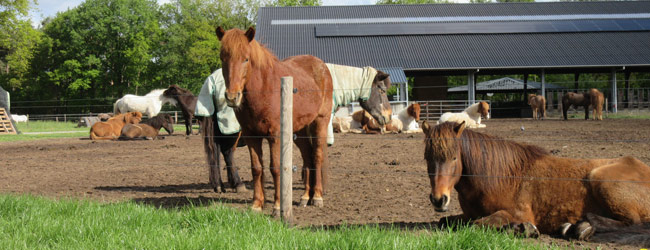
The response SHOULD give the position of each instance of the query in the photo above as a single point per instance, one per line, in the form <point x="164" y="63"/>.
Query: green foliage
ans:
<point x="412" y="1"/>
<point x="286" y="3"/>
<point x="37" y="223"/>
<point x="17" y="40"/>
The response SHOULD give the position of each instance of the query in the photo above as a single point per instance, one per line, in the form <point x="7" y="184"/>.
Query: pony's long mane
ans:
<point x="483" y="155"/>
<point x="155" y="92"/>
<point x="235" y="44"/>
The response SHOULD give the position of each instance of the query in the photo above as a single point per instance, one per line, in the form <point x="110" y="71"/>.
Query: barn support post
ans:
<point x="626" y="97"/>
<point x="576" y="78"/>
<point x="613" y="95"/>
<point x="286" y="156"/>
<point x="471" y="90"/>
<point x="525" y="88"/>
<point x="543" y="76"/>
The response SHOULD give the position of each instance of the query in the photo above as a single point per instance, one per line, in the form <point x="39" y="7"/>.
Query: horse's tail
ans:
<point x="116" y="109"/>
<point x="207" y="131"/>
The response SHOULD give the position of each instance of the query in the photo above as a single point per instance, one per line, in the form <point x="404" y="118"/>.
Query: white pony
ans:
<point x="471" y="115"/>
<point x="406" y="121"/>
<point x="148" y="105"/>
<point x="19" y="118"/>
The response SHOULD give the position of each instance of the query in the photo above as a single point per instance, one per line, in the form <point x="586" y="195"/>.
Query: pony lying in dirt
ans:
<point x="149" y="105"/>
<point x="112" y="129"/>
<point x="471" y="115"/>
<point x="406" y="121"/>
<point x="148" y="129"/>
<point x="510" y="185"/>
<point x="538" y="104"/>
<point x="363" y="123"/>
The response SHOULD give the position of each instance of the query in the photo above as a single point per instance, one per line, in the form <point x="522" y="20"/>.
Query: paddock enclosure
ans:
<point x="372" y="178"/>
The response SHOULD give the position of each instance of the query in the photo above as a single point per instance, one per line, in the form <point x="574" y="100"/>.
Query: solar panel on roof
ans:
<point x="397" y="29"/>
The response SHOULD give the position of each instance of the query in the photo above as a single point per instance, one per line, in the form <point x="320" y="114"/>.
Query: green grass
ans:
<point x="28" y="222"/>
<point x="45" y="126"/>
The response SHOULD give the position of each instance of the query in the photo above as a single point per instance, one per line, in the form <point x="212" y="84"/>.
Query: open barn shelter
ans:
<point x="430" y="42"/>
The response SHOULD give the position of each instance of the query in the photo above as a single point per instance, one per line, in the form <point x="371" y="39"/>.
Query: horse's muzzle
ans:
<point x="440" y="205"/>
<point x="233" y="99"/>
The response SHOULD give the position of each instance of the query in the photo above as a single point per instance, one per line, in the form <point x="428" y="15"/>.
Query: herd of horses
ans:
<point x="500" y="183"/>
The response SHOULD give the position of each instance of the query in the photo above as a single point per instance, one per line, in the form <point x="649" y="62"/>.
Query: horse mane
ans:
<point x="491" y="159"/>
<point x="235" y="44"/>
<point x="155" y="92"/>
<point x="472" y="109"/>
<point x="157" y="121"/>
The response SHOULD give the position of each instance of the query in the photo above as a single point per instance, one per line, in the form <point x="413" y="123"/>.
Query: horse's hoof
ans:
<point x="318" y="202"/>
<point x="241" y="188"/>
<point x="584" y="231"/>
<point x="216" y="189"/>
<point x="526" y="229"/>
<point x="187" y="137"/>
<point x="304" y="202"/>
<point x="564" y="230"/>
<point x="276" y="213"/>
<point x="256" y="209"/>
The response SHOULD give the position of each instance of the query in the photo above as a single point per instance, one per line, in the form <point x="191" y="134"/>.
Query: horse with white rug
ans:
<point x="148" y="105"/>
<point x="471" y="115"/>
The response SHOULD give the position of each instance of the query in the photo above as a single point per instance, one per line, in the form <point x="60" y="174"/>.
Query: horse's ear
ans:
<point x="382" y="75"/>
<point x="220" y="32"/>
<point x="459" y="129"/>
<point x="250" y="34"/>
<point x="426" y="127"/>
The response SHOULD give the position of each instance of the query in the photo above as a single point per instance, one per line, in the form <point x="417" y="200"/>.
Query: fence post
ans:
<point x="286" y="157"/>
<point x="175" y="117"/>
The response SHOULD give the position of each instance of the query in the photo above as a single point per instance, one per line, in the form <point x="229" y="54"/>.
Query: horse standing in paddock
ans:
<point x="112" y="129"/>
<point x="221" y="132"/>
<point x="501" y="183"/>
<point x="252" y="75"/>
<point x="149" y="105"/>
<point x="575" y="99"/>
<point x="471" y="115"/>
<point x="597" y="100"/>
<point x="186" y="100"/>
<point x="538" y="104"/>
<point x="149" y="128"/>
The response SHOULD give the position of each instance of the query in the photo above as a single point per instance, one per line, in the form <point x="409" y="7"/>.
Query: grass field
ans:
<point x="28" y="222"/>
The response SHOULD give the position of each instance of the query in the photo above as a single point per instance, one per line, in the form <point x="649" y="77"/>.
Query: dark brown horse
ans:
<point x="186" y="100"/>
<point x="149" y="128"/>
<point x="501" y="182"/>
<point x="252" y="75"/>
<point x="215" y="142"/>
<point x="577" y="100"/>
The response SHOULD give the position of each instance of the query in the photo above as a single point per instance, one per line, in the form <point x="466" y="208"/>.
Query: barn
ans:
<point x="432" y="42"/>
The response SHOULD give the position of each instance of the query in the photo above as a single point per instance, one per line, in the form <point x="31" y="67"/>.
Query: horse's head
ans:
<point x="172" y="91"/>
<point x="484" y="110"/>
<point x="236" y="61"/>
<point x="133" y="117"/>
<point x="444" y="165"/>
<point x="168" y="123"/>
<point x="377" y="104"/>
<point x="414" y="111"/>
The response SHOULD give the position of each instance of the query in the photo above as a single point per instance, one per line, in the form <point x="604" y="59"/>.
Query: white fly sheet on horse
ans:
<point x="211" y="98"/>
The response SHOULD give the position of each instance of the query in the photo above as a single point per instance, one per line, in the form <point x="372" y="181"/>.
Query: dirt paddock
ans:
<point x="372" y="178"/>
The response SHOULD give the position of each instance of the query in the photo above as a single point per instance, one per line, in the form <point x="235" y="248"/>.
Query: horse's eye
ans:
<point x="246" y="60"/>
<point x="454" y="158"/>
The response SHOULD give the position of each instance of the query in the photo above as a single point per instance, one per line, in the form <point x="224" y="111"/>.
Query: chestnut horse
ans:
<point x="149" y="128"/>
<point x="538" y="104"/>
<point x="186" y="100"/>
<point x="501" y="183"/>
<point x="597" y="101"/>
<point x="252" y="75"/>
<point x="112" y="129"/>
<point x="575" y="99"/>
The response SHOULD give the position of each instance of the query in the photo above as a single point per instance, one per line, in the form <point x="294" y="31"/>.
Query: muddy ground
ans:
<point x="372" y="178"/>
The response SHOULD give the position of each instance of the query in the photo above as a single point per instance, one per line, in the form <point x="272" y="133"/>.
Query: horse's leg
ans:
<point x="275" y="148"/>
<point x="215" y="171"/>
<point x="228" y="147"/>
<point x="565" y="108"/>
<point x="586" y="112"/>
<point x="255" y="150"/>
<point x="188" y="125"/>
<point x="212" y="152"/>
<point x="319" y="154"/>
<point x="520" y="222"/>
<point x="305" y="147"/>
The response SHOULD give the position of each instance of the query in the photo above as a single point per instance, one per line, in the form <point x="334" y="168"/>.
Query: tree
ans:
<point x="17" y="41"/>
<point x="288" y="3"/>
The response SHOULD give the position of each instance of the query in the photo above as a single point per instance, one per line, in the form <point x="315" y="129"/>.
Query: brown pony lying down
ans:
<point x="111" y="129"/>
<point x="368" y="124"/>
<point x="148" y="129"/>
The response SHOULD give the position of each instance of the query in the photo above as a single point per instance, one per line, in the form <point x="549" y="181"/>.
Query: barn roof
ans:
<point x="504" y="84"/>
<point x="446" y="37"/>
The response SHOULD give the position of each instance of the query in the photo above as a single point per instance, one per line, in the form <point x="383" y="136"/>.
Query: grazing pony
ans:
<point x="112" y="129"/>
<point x="471" y="115"/>
<point x="575" y="99"/>
<point x="538" y="104"/>
<point x="149" y="128"/>
<point x="502" y="182"/>
<point x="186" y="100"/>
<point x="149" y="105"/>
<point x="597" y="101"/>
<point x="252" y="74"/>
